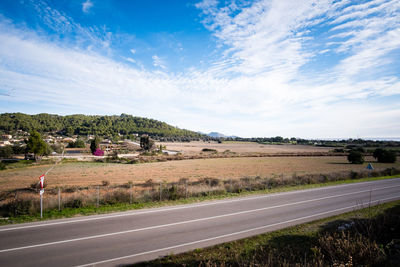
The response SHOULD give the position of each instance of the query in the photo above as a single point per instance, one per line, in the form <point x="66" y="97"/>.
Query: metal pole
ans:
<point x="160" y="191"/>
<point x="186" y="189"/>
<point x="98" y="196"/>
<point x="15" y="202"/>
<point x="59" y="199"/>
<point x="41" y="205"/>
<point x="130" y="196"/>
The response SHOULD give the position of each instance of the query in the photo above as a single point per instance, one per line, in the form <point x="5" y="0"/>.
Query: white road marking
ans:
<point x="189" y="221"/>
<point x="228" y="235"/>
<point x="111" y="216"/>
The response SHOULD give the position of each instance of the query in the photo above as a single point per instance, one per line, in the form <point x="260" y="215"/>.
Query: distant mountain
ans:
<point x="94" y="125"/>
<point x="217" y="135"/>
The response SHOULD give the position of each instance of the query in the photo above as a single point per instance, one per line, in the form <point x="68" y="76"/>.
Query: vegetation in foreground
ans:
<point x="23" y="206"/>
<point x="367" y="237"/>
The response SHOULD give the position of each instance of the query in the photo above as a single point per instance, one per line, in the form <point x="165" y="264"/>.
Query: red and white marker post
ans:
<point x="41" y="181"/>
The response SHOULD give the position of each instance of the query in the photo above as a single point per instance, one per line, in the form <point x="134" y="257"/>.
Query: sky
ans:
<point x="309" y="69"/>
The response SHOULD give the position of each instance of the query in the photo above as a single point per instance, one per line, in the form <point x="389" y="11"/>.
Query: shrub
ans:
<point x="98" y="152"/>
<point x="209" y="150"/>
<point x="6" y="152"/>
<point x="210" y="181"/>
<point x="94" y="144"/>
<point x="74" y="203"/>
<point x="338" y="150"/>
<point x="377" y="153"/>
<point x="355" y="157"/>
<point x="343" y="249"/>
<point x="354" y="175"/>
<point x="173" y="193"/>
<point x="386" y="156"/>
<point x="105" y="183"/>
<point x="116" y="196"/>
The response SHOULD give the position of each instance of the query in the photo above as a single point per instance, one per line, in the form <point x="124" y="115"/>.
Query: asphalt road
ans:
<point x="129" y="237"/>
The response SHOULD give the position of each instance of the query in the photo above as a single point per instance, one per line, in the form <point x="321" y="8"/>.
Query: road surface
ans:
<point x="129" y="237"/>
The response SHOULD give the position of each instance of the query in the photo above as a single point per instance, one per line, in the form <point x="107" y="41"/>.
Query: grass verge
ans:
<point x="92" y="210"/>
<point x="366" y="237"/>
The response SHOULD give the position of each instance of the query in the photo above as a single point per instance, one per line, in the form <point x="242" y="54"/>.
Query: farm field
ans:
<point x="241" y="147"/>
<point x="86" y="173"/>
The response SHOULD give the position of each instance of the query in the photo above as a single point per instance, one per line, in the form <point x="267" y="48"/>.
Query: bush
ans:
<point x="98" y="152"/>
<point x="116" y="196"/>
<point x="94" y="144"/>
<point x="80" y="144"/>
<point x="377" y="153"/>
<point x="74" y="203"/>
<point x="209" y="150"/>
<point x="146" y="142"/>
<point x="385" y="156"/>
<point x="338" y="150"/>
<point x="173" y="193"/>
<point x="6" y="152"/>
<point x="355" y="157"/>
<point x="343" y="249"/>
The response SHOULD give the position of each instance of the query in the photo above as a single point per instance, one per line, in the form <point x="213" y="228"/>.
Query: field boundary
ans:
<point x="55" y="213"/>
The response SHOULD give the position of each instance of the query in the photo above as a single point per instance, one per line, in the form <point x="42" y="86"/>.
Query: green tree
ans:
<point x="377" y="153"/>
<point x="80" y="143"/>
<point x="36" y="145"/>
<point x="146" y="143"/>
<point x="385" y="156"/>
<point x="6" y="152"/>
<point x="94" y="144"/>
<point x="355" y="157"/>
<point x="17" y="149"/>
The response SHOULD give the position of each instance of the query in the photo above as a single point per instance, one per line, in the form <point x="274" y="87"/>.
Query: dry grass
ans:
<point x="84" y="174"/>
<point x="241" y="147"/>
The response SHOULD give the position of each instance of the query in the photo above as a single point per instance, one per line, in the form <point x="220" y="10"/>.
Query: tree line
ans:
<point x="91" y="125"/>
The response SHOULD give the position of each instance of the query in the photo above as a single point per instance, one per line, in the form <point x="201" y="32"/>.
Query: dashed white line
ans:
<point x="111" y="216"/>
<point x="189" y="221"/>
<point x="229" y="235"/>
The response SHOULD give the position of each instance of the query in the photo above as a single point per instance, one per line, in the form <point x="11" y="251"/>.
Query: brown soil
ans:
<point x="83" y="174"/>
<point x="242" y="147"/>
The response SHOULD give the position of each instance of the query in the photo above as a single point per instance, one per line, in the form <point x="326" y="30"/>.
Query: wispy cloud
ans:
<point x="158" y="62"/>
<point x="73" y="33"/>
<point x="86" y="6"/>
<point x="269" y="80"/>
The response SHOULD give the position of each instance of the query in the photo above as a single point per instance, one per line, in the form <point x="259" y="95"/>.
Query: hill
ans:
<point x="217" y="135"/>
<point x="79" y="124"/>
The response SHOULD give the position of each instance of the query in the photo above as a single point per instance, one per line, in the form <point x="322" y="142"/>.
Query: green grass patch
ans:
<point x="18" y="164"/>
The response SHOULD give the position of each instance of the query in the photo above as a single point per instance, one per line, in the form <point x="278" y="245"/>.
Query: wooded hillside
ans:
<point x="93" y="124"/>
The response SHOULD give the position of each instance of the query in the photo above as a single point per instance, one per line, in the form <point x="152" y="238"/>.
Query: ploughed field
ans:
<point x="242" y="147"/>
<point x="92" y="173"/>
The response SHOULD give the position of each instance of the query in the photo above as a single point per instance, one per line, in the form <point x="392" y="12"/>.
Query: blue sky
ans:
<point x="311" y="69"/>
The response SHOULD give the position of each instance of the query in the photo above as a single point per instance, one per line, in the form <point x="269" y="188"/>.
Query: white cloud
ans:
<point x="133" y="51"/>
<point x="86" y="6"/>
<point x="257" y="88"/>
<point x="130" y="59"/>
<point x="158" y="62"/>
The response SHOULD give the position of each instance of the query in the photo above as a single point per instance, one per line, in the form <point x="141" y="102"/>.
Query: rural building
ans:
<point x="5" y="143"/>
<point x="6" y="136"/>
